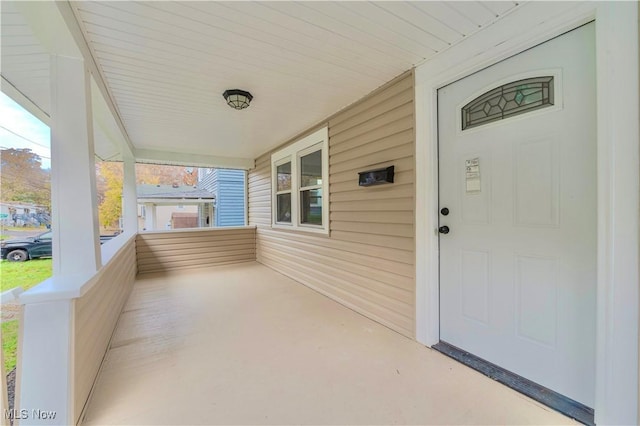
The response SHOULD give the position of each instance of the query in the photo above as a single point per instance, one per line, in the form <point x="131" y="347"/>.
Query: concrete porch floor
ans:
<point x="243" y="344"/>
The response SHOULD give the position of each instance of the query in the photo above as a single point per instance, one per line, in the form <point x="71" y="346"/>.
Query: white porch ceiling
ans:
<point x="25" y="61"/>
<point x="166" y="64"/>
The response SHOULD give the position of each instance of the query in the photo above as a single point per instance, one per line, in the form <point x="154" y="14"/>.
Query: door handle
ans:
<point x="443" y="229"/>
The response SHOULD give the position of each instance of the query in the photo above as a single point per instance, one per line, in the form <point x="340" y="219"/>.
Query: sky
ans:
<point x="20" y="129"/>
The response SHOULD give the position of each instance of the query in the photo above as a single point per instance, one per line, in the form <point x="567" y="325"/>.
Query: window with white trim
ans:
<point x="300" y="183"/>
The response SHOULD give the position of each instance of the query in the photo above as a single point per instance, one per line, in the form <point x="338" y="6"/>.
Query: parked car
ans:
<point x="19" y="250"/>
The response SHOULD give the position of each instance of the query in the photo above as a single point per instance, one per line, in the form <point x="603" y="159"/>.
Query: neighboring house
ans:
<point x="169" y="206"/>
<point x="228" y="188"/>
<point x="23" y="214"/>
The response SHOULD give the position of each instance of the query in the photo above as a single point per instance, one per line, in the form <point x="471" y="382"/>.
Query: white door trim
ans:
<point x="618" y="177"/>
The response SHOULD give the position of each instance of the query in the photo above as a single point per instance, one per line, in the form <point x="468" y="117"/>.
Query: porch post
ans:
<point x="76" y="242"/>
<point x="45" y="382"/>
<point x="46" y="374"/>
<point x="150" y="216"/>
<point x="129" y="195"/>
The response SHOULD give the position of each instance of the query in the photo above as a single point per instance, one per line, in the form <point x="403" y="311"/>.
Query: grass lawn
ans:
<point x="25" y="228"/>
<point x="10" y="344"/>
<point x="25" y="274"/>
<point x="14" y="274"/>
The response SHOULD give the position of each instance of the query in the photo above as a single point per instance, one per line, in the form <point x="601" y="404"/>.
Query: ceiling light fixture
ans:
<point x="237" y="99"/>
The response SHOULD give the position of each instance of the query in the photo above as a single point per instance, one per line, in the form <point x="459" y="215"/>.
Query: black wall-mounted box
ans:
<point x="376" y="177"/>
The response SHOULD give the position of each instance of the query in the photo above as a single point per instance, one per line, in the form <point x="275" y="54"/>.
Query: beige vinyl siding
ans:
<point x="198" y="248"/>
<point x="368" y="260"/>
<point x="96" y="314"/>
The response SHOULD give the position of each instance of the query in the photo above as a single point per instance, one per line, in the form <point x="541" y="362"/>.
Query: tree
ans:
<point x="109" y="182"/>
<point x="23" y="179"/>
<point x="110" y="179"/>
<point x="155" y="174"/>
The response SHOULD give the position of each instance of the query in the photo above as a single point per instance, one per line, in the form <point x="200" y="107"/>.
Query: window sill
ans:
<point x="301" y="228"/>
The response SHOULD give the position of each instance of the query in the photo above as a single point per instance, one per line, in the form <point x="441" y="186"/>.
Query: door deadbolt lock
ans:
<point x="443" y="229"/>
<point x="444" y="211"/>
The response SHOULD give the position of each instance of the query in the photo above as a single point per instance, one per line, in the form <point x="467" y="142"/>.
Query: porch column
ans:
<point x="129" y="195"/>
<point x="46" y="373"/>
<point x="76" y="242"/>
<point x="150" y="216"/>
<point x="46" y="376"/>
<point x="212" y="215"/>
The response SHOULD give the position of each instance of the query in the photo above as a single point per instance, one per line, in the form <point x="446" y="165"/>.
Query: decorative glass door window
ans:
<point x="508" y="100"/>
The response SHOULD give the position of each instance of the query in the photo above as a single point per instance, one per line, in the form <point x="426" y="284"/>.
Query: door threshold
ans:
<point x="546" y="396"/>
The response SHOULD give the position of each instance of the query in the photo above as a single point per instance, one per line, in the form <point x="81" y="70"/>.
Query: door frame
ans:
<point x="618" y="180"/>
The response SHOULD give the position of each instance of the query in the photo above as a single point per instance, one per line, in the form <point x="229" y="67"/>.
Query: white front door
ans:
<point x="517" y="173"/>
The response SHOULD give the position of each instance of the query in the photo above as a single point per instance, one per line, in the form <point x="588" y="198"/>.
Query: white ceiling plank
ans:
<point x="210" y="74"/>
<point x="156" y="50"/>
<point x="302" y="42"/>
<point x="448" y="16"/>
<point x="134" y="66"/>
<point x="421" y="19"/>
<point x="36" y="60"/>
<point x="281" y="38"/>
<point x="210" y="102"/>
<point x="402" y="34"/>
<point x="140" y="108"/>
<point x="209" y="99"/>
<point x="46" y="25"/>
<point x="225" y="44"/>
<point x="28" y="75"/>
<point x="25" y="68"/>
<point x="326" y="20"/>
<point x="9" y="30"/>
<point x="17" y="50"/>
<point x="126" y="80"/>
<point x="14" y="93"/>
<point x="36" y="90"/>
<point x="499" y="8"/>
<point x="178" y="158"/>
<point x="20" y="40"/>
<point x="474" y="11"/>
<point x="127" y="93"/>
